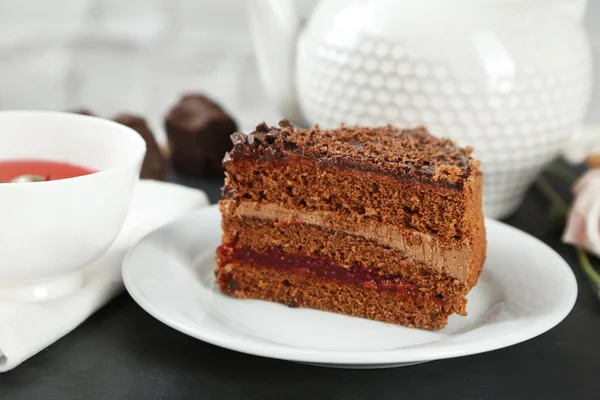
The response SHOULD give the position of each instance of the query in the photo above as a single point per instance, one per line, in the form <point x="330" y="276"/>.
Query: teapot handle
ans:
<point x="275" y="26"/>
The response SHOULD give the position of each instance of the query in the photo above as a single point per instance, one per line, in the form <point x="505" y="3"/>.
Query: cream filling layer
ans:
<point x="422" y="248"/>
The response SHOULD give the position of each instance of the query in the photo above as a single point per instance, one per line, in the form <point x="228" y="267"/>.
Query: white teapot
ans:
<point x="512" y="78"/>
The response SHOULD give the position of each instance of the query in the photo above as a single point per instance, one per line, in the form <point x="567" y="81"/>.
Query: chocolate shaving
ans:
<point x="358" y="146"/>
<point x="260" y="137"/>
<point x="262" y="127"/>
<point x="272" y="135"/>
<point x="238" y="138"/>
<point x="290" y="146"/>
<point x="269" y="153"/>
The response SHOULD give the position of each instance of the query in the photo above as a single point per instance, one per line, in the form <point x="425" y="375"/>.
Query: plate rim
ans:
<point x="402" y="355"/>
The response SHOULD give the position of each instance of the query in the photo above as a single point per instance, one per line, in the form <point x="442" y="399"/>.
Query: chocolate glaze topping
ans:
<point x="411" y="154"/>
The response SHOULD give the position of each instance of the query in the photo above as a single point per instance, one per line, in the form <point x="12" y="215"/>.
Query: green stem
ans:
<point x="559" y="210"/>
<point x="562" y="173"/>
<point x="588" y="269"/>
<point x="556" y="201"/>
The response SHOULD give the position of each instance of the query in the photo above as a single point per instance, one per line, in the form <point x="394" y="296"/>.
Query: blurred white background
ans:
<point x="140" y="55"/>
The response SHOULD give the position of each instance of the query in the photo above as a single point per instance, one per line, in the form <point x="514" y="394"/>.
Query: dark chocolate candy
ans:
<point x="154" y="166"/>
<point x="82" y="111"/>
<point x="199" y="132"/>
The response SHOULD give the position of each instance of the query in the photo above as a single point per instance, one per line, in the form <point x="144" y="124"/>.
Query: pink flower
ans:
<point x="583" y="223"/>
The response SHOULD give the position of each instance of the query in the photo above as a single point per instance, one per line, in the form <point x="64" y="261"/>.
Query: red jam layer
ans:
<point x="322" y="268"/>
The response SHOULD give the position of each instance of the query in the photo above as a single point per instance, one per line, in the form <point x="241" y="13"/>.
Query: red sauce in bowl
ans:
<point x="50" y="170"/>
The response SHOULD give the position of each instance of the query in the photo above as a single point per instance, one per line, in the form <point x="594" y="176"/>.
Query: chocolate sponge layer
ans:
<point x="302" y="184"/>
<point x="295" y="289"/>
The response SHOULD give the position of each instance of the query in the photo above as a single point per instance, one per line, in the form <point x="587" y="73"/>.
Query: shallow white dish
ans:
<point x="525" y="289"/>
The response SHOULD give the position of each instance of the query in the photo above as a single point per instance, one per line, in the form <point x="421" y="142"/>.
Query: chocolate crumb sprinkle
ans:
<point x="405" y="153"/>
<point x="269" y="153"/>
<point x="262" y="127"/>
<point x="284" y="123"/>
<point x="260" y="137"/>
<point x="238" y="138"/>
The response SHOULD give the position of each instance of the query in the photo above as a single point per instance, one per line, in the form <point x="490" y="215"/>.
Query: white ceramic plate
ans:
<point x="524" y="290"/>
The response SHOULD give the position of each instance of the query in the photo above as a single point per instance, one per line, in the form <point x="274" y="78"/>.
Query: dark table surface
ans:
<point x="123" y="353"/>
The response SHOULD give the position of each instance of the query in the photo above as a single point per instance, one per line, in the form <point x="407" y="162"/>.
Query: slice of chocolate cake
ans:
<point x="378" y="223"/>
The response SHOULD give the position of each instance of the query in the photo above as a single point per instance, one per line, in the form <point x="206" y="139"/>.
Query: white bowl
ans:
<point x="50" y="231"/>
